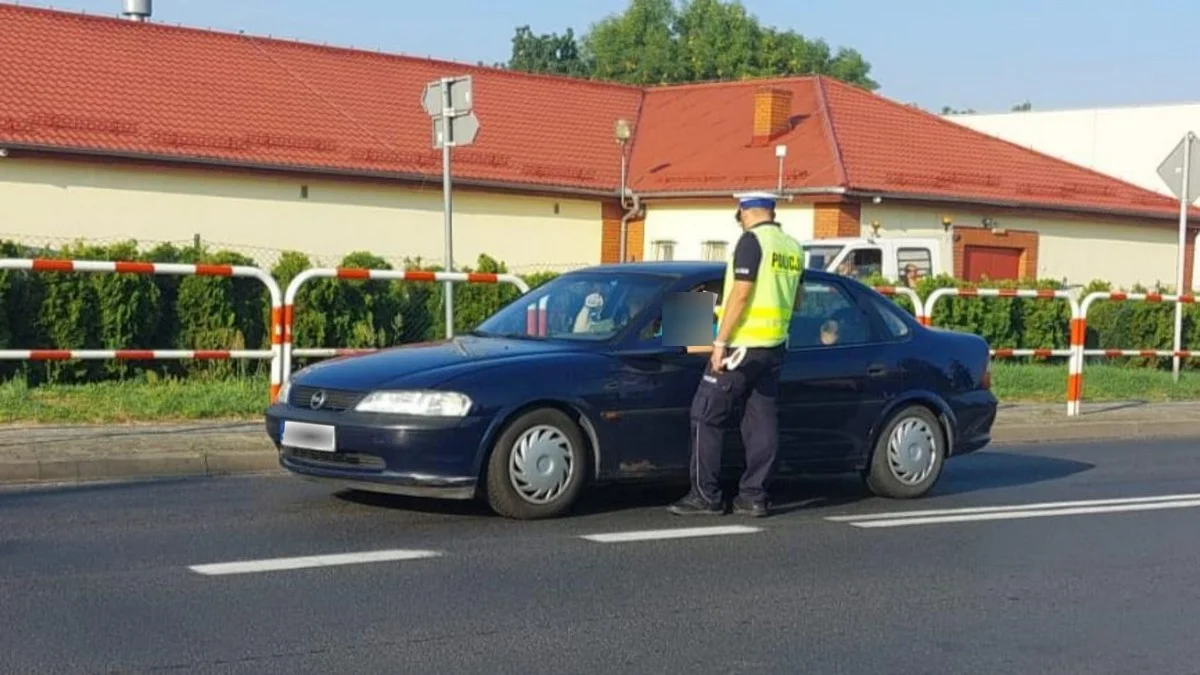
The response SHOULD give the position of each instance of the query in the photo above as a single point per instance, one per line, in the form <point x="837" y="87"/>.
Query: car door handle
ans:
<point x="877" y="370"/>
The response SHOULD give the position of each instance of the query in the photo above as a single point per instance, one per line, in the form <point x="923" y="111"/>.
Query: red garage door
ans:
<point x="990" y="261"/>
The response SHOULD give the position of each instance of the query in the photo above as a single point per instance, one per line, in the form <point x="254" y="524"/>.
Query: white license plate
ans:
<point x="309" y="436"/>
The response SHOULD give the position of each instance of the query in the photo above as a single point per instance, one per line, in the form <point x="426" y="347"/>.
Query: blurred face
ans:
<point x="829" y="333"/>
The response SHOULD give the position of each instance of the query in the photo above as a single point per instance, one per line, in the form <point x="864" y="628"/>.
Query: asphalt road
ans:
<point x="113" y="578"/>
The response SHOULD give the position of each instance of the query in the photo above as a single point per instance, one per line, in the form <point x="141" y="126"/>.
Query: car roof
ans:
<point x="676" y="268"/>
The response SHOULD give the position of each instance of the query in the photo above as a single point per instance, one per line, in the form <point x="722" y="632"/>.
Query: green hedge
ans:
<point x="109" y="311"/>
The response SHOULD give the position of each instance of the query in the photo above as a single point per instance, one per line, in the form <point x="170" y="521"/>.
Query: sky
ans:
<point x="987" y="55"/>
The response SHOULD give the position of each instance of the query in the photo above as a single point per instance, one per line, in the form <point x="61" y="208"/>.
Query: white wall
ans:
<point x="1079" y="251"/>
<point x="1126" y="143"/>
<point x="689" y="225"/>
<point x="50" y="201"/>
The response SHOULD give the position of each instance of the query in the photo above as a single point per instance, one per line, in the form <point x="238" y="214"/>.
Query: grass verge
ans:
<point x="134" y="401"/>
<point x="246" y="398"/>
<point x="1047" y="383"/>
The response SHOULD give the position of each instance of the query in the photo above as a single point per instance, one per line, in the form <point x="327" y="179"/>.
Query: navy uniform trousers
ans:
<point x="754" y="386"/>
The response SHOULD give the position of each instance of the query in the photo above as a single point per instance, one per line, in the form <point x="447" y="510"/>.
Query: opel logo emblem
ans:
<point x="317" y="400"/>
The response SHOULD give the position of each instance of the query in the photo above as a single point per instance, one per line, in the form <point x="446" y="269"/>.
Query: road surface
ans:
<point x="1036" y="559"/>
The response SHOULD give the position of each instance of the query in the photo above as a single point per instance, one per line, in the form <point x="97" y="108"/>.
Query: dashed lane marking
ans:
<point x="676" y="533"/>
<point x="1018" y="511"/>
<point x="277" y="564"/>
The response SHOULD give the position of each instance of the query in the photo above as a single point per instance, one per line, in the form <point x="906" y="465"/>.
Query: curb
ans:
<point x="138" y="466"/>
<point x="263" y="458"/>
<point x="1094" y="431"/>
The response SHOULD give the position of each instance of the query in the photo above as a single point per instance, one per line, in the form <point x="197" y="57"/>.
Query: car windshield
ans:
<point x="576" y="306"/>
<point x="819" y="257"/>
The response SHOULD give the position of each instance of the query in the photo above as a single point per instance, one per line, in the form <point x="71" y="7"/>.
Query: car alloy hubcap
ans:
<point x="912" y="451"/>
<point x="541" y="466"/>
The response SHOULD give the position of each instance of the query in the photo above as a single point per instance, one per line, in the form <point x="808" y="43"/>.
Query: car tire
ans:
<point x="538" y="466"/>
<point x="909" y="455"/>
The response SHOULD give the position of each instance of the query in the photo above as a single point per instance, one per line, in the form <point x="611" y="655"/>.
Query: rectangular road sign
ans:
<point x="1171" y="170"/>
<point x="463" y="129"/>
<point x="460" y="96"/>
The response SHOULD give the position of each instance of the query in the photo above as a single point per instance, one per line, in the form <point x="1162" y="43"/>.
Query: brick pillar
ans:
<point x="837" y="220"/>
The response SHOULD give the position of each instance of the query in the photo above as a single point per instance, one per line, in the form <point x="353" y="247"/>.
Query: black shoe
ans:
<point x="754" y="509"/>
<point x="693" y="505"/>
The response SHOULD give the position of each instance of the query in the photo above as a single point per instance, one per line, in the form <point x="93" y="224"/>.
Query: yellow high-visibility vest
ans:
<point x="766" y="319"/>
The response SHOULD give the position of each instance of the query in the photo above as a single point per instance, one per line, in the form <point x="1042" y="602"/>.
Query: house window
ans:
<point x="714" y="250"/>
<point x="664" y="250"/>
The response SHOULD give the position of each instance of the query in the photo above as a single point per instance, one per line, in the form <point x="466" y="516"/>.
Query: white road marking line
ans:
<point x="1012" y="508"/>
<point x="1013" y="515"/>
<point x="678" y="533"/>
<point x="276" y="564"/>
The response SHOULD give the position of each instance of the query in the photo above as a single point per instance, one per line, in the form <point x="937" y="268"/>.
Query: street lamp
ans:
<point x="622" y="132"/>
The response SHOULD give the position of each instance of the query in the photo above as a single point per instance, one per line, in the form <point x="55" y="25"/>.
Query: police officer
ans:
<point x="759" y="293"/>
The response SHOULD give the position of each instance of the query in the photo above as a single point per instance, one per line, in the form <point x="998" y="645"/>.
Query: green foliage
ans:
<point x="656" y="42"/>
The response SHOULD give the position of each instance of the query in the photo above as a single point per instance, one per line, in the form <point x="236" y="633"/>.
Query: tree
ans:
<point x="1023" y="107"/>
<point x="655" y="42"/>
<point x="947" y="110"/>
<point x="547" y="53"/>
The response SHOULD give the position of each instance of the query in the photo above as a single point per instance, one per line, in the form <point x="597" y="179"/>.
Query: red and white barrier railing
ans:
<point x="1077" y="329"/>
<point x="360" y="274"/>
<point x="1005" y="353"/>
<point x="274" y="354"/>
<point x="1120" y="296"/>
<point x="918" y="307"/>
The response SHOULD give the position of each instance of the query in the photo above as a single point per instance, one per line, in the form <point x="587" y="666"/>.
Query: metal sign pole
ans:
<point x="1176" y="172"/>
<point x="448" y="103"/>
<point x="1183" y="217"/>
<point x="447" y="202"/>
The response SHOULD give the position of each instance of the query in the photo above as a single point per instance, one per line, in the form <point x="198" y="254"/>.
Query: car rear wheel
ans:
<point x="538" y="466"/>
<point x="908" y="456"/>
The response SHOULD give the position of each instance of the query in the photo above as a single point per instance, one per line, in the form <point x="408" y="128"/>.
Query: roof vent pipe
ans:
<point x="137" y="10"/>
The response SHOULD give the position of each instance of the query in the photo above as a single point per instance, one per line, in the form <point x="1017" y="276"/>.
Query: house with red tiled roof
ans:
<point x="113" y="129"/>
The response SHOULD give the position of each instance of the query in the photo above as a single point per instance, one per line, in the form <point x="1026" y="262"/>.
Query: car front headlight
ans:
<point x="425" y="403"/>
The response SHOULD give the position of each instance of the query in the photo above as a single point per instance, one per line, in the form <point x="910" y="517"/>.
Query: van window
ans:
<point x="914" y="264"/>
<point x="862" y="263"/>
<point x="819" y="257"/>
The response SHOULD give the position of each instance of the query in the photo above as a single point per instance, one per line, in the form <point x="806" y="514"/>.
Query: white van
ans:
<point x="863" y="257"/>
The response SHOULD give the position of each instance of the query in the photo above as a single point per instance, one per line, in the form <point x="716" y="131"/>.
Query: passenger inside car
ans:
<point x="829" y="332"/>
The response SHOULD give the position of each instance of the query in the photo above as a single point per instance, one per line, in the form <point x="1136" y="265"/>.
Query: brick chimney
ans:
<point x="772" y="114"/>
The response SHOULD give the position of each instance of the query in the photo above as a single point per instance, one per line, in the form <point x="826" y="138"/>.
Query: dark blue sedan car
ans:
<point x="570" y="386"/>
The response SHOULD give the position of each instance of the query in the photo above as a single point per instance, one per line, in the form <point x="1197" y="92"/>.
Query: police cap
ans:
<point x="756" y="200"/>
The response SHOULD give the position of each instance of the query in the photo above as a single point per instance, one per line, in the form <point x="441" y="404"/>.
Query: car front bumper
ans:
<point x="382" y="453"/>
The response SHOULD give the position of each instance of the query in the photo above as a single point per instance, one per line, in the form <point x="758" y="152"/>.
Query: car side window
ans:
<point x="889" y="312"/>
<point x="826" y="316"/>
<point x="653" y="330"/>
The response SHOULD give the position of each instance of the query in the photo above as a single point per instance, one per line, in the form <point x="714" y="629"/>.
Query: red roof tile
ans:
<point x="104" y="84"/>
<point x="889" y="147"/>
<point x="84" y="83"/>
<point x="698" y="138"/>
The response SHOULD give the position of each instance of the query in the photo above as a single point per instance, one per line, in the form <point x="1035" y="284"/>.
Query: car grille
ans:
<point x="335" y="400"/>
<point x="337" y="459"/>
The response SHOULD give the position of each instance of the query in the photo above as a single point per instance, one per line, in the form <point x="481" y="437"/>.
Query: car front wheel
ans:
<point x="538" y="466"/>
<point x="908" y="456"/>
